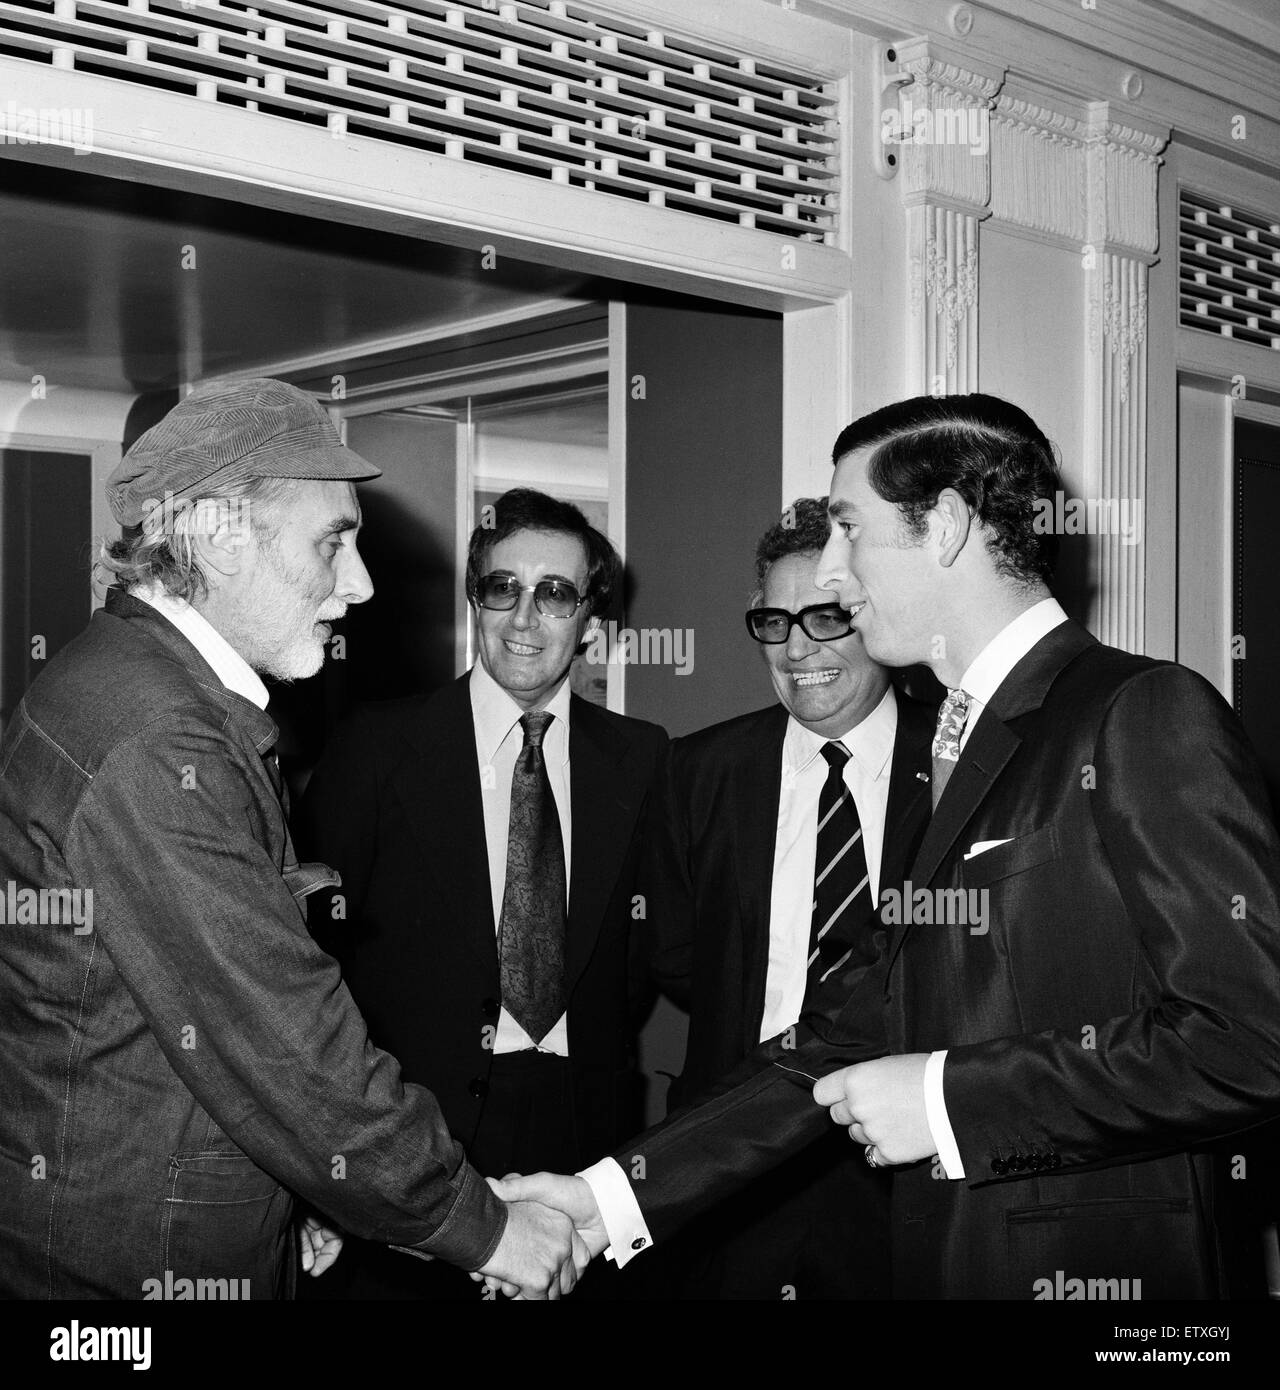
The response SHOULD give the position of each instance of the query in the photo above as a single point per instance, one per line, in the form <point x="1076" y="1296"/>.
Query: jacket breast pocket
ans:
<point x="226" y="1221"/>
<point x="1014" y="857"/>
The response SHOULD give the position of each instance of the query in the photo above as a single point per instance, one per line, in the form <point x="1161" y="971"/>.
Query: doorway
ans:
<point x="1256" y="518"/>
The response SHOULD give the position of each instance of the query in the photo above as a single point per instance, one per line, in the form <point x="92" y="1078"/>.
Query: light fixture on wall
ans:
<point x="888" y="77"/>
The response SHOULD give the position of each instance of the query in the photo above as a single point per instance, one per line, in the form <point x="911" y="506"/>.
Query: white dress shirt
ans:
<point x="986" y="674"/>
<point x="228" y="665"/>
<point x="499" y="739"/>
<point x="804" y="773"/>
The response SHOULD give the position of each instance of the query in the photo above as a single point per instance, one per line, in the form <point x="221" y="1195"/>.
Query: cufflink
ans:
<point x="639" y="1243"/>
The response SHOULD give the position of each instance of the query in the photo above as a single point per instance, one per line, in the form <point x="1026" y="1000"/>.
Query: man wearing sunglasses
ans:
<point x="486" y="838"/>
<point x="772" y="833"/>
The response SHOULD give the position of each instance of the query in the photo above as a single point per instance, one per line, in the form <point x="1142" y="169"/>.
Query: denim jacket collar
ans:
<point x="259" y="725"/>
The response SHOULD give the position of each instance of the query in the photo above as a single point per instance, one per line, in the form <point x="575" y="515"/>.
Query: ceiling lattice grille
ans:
<point x="540" y="87"/>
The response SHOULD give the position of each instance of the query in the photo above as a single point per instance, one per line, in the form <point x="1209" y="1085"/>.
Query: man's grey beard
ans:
<point x="267" y="627"/>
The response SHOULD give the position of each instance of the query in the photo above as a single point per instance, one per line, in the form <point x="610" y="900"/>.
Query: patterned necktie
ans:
<point x="946" y="742"/>
<point x="531" y="930"/>
<point x="841" y="887"/>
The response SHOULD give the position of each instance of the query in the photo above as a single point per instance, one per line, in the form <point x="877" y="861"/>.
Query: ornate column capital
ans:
<point x="945" y="124"/>
<point x="1122" y="154"/>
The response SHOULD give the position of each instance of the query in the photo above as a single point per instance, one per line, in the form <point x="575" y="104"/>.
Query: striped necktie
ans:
<point x="841" y="886"/>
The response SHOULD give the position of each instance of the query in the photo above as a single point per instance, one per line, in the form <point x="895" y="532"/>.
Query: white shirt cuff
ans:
<point x="619" y="1211"/>
<point x="935" y="1111"/>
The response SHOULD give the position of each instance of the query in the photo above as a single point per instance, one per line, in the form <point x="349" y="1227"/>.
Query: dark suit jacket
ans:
<point x="712" y="843"/>
<point x="1122" y="1008"/>
<point x="395" y="807"/>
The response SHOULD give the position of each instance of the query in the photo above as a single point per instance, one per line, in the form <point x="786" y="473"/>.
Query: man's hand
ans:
<point x="318" y="1245"/>
<point x="567" y="1194"/>
<point x="539" y="1255"/>
<point x="882" y="1103"/>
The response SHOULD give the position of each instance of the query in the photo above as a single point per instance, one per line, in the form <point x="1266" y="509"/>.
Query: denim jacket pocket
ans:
<point x="226" y="1220"/>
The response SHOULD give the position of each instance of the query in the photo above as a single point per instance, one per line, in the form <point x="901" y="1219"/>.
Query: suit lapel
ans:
<point x="604" y="805"/>
<point x="451" y="827"/>
<point x="755" y="790"/>
<point x="908" y="807"/>
<point x="988" y="750"/>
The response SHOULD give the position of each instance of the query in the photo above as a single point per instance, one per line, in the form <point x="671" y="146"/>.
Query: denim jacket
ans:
<point x="174" y="1071"/>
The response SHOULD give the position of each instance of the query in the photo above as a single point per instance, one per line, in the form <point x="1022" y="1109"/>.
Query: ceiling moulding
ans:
<point x="352" y="355"/>
<point x="1038" y="164"/>
<point x="1077" y="172"/>
<point x="1191" y="74"/>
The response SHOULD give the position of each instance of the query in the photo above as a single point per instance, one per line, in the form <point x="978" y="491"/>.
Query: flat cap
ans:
<point x="259" y="428"/>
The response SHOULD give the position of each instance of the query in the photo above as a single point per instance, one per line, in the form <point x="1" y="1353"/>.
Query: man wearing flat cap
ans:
<point x="180" y="1058"/>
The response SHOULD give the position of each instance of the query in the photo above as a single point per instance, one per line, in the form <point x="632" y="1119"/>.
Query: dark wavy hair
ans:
<point x="991" y="452"/>
<point x="801" y="530"/>
<point x="524" y="509"/>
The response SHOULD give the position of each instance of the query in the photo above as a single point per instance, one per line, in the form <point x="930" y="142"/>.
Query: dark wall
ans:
<point x="45" y="560"/>
<point x="1257" y="616"/>
<point x="402" y="641"/>
<point x="704" y="472"/>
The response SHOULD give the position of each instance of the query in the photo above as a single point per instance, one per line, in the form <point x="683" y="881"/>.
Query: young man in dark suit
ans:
<point x="487" y="840"/>
<point x="1113" y="1005"/>
<point x="772" y="833"/>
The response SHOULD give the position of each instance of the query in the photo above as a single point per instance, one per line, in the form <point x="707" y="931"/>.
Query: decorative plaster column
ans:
<point x="1072" y="173"/>
<point x="945" y="111"/>
<point x="1121" y="160"/>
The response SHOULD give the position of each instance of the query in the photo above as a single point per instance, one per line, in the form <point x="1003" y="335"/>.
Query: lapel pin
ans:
<point x="922" y="776"/>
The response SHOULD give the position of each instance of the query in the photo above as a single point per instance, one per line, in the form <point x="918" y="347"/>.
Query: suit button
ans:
<point x="999" y="1167"/>
<point x="478" y="1087"/>
<point x="489" y="1008"/>
<point x="1035" y="1163"/>
<point x="1055" y="1161"/>
<point x="1017" y="1163"/>
<point x="639" y="1243"/>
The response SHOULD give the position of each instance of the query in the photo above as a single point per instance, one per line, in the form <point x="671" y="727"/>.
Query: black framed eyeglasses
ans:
<point x="823" y="622"/>
<point x="554" y="598"/>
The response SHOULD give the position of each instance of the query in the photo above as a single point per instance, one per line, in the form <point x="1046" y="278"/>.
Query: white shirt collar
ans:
<point x="870" y="743"/>
<point x="227" y="663"/>
<point x="495" y="714"/>
<point x="987" y="671"/>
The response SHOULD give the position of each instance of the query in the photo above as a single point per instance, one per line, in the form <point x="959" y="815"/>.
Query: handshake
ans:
<point x="554" y="1227"/>
<point x="553" y="1231"/>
